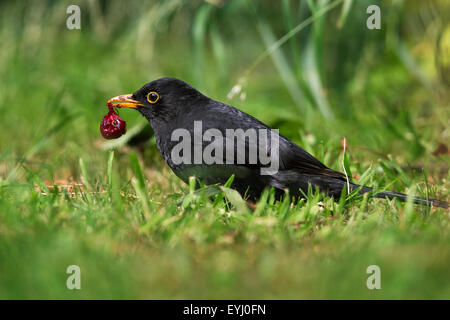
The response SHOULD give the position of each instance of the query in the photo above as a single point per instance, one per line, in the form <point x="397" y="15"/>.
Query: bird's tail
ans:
<point x="404" y="197"/>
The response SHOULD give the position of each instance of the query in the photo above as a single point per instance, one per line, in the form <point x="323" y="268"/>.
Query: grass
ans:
<point x="137" y="231"/>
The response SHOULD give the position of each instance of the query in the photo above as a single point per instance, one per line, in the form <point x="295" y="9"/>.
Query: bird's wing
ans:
<point x="223" y="117"/>
<point x="294" y="157"/>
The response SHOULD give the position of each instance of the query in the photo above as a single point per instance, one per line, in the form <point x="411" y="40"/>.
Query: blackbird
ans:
<point x="187" y="124"/>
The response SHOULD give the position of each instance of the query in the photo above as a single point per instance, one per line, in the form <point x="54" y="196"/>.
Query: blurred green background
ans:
<point x="138" y="232"/>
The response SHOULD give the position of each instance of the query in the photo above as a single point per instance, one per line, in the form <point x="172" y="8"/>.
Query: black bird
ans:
<point x="170" y="104"/>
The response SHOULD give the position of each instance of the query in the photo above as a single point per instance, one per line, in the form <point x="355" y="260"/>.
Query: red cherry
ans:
<point x="112" y="126"/>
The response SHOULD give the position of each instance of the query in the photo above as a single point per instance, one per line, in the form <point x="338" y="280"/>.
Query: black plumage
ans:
<point x="178" y="105"/>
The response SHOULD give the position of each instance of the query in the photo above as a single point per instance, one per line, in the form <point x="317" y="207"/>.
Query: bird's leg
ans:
<point x="251" y="204"/>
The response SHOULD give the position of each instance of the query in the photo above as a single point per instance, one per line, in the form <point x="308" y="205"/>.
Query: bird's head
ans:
<point x="161" y="100"/>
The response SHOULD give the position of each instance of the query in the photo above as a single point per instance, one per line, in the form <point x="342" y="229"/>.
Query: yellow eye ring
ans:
<point x="152" y="97"/>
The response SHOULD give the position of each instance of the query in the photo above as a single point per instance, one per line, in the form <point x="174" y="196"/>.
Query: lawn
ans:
<point x="115" y="209"/>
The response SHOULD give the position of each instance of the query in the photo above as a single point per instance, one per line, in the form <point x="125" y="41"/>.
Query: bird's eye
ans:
<point x="152" y="97"/>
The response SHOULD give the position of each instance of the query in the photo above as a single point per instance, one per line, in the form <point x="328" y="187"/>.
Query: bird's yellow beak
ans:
<point x="124" y="101"/>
